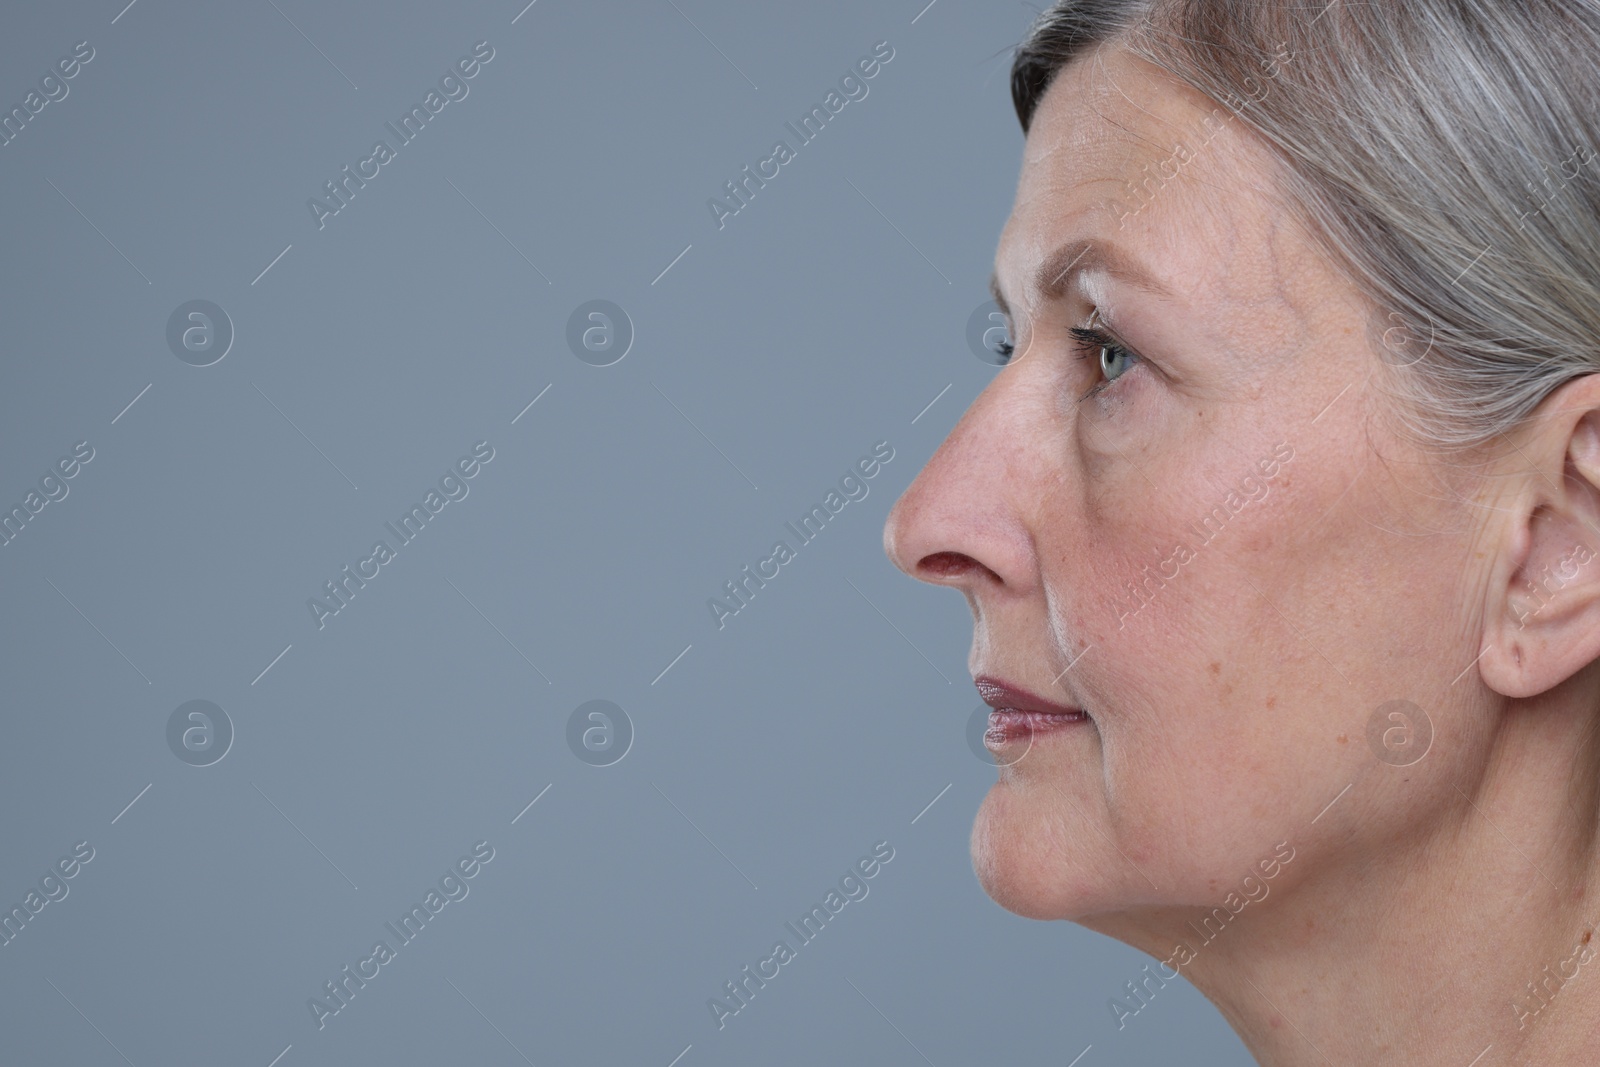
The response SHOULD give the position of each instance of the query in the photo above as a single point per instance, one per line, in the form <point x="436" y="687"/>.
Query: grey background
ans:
<point x="374" y="353"/>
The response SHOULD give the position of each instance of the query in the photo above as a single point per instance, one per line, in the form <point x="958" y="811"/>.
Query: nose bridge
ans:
<point x="965" y="498"/>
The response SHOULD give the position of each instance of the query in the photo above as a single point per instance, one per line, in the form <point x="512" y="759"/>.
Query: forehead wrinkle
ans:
<point x="1085" y="130"/>
<point x="1100" y="92"/>
<point x="1153" y="76"/>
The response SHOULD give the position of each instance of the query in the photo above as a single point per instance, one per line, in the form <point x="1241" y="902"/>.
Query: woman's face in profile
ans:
<point x="1202" y="529"/>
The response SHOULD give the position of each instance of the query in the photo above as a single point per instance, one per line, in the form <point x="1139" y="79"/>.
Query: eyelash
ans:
<point x="1089" y="342"/>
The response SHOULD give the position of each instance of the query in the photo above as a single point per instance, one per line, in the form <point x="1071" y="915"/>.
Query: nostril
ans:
<point x="946" y="565"/>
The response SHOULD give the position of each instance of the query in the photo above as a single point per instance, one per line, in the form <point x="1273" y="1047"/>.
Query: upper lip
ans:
<point x="1007" y="697"/>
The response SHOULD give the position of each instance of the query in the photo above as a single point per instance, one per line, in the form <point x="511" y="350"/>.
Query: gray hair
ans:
<point x="1442" y="151"/>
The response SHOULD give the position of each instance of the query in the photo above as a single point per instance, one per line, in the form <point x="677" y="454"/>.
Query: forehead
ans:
<point x="1121" y="153"/>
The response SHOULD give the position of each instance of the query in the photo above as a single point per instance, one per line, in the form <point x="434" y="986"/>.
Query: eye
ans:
<point x="998" y="339"/>
<point x="1114" y="359"/>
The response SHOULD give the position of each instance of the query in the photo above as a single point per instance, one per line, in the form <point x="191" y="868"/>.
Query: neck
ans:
<point x="1469" y="936"/>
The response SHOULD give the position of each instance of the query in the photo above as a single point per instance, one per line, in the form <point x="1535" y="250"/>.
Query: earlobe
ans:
<point x="1542" y="612"/>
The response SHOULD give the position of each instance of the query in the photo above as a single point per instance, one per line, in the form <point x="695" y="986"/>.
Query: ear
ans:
<point x="1542" y="612"/>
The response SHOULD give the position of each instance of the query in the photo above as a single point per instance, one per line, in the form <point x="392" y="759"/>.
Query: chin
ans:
<point x="1027" y="864"/>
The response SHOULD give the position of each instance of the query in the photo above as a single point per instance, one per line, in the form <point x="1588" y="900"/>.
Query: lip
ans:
<point x="1019" y="715"/>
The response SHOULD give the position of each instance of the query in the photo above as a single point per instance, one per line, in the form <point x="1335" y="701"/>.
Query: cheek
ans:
<point x="1205" y="699"/>
<point x="1103" y="557"/>
<point x="1231" y="690"/>
<point x="1131" y="587"/>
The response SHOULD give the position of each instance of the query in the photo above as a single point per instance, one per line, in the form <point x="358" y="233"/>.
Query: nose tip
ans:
<point x="917" y="540"/>
<point x="964" y="519"/>
<point x="895" y="535"/>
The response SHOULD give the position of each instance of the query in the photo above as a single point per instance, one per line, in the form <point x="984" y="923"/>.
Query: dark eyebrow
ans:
<point x="1055" y="274"/>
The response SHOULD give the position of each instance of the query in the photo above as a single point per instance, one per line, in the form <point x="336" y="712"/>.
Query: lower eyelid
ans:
<point x="1103" y="387"/>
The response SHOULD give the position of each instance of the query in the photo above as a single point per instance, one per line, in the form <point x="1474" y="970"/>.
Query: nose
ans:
<point x="964" y="520"/>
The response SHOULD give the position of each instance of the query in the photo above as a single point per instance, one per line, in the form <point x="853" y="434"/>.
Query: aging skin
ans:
<point x="1231" y="711"/>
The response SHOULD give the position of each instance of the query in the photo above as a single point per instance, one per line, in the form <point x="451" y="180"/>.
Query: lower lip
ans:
<point x="1008" y="726"/>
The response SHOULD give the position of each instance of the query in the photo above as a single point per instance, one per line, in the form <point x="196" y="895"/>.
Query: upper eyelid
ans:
<point x="1111" y="334"/>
